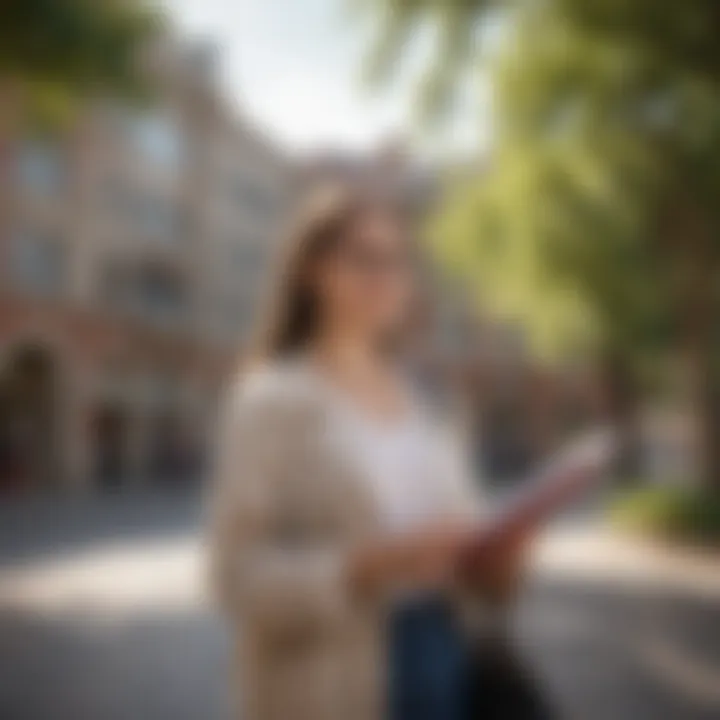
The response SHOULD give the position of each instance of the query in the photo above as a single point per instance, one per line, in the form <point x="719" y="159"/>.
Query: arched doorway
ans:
<point x="28" y="421"/>
<point x="110" y="428"/>
<point x="173" y="450"/>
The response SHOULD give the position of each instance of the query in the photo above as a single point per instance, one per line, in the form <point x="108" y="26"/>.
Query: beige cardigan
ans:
<point x="288" y="504"/>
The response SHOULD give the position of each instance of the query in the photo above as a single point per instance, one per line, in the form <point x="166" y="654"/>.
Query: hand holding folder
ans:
<point x="504" y="537"/>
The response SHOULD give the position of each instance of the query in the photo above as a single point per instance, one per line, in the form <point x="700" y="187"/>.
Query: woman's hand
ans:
<point x="424" y="558"/>
<point x="432" y="554"/>
<point x="495" y="569"/>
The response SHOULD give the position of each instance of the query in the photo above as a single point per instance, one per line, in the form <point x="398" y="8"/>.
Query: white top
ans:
<point x="415" y="475"/>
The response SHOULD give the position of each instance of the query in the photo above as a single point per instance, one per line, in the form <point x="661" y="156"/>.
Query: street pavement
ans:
<point x="104" y="616"/>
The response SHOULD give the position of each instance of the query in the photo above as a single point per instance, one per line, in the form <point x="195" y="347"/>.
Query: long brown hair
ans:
<point x="292" y="314"/>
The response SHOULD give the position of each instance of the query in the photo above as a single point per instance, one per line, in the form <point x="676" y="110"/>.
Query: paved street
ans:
<point x="103" y="617"/>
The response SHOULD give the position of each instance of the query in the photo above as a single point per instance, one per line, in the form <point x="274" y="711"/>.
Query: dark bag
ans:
<point x="501" y="686"/>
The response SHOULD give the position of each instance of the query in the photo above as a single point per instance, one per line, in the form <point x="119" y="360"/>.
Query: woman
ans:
<point x="340" y="510"/>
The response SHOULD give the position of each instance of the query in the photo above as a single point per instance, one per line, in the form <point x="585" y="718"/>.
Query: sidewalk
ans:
<point x="108" y="603"/>
<point x="123" y="572"/>
<point x="591" y="553"/>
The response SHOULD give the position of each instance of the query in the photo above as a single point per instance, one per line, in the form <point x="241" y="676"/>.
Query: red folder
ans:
<point x="558" y="484"/>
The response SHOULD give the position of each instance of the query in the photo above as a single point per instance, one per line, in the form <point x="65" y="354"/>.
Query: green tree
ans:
<point x="596" y="220"/>
<point x="55" y="52"/>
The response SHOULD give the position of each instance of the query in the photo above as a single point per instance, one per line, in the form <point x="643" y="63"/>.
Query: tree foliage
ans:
<point x="595" y="219"/>
<point x="58" y="51"/>
<point x="607" y="114"/>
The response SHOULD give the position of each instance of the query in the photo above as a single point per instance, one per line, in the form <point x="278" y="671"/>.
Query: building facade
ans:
<point x="132" y="247"/>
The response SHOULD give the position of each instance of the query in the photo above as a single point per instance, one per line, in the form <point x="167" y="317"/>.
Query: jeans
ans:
<point x="429" y="663"/>
<point x="436" y="673"/>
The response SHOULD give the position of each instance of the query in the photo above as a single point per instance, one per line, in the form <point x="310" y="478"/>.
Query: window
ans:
<point x="38" y="262"/>
<point x="146" y="291"/>
<point x="40" y="167"/>
<point x="150" y="216"/>
<point x="159" y="294"/>
<point x="157" y="137"/>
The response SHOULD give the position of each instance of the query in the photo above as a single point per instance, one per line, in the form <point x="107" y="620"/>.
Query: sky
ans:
<point x="294" y="67"/>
